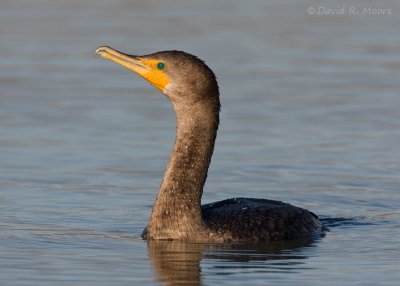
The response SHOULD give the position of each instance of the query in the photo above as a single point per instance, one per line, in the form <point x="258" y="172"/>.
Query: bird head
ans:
<point x="182" y="77"/>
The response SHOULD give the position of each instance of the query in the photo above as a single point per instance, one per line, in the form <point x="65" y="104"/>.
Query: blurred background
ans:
<point x="310" y="116"/>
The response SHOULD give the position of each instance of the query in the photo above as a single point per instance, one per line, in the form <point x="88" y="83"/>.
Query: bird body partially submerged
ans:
<point x="244" y="219"/>
<point x="178" y="214"/>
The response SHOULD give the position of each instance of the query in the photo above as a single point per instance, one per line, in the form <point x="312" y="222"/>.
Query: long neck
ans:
<point x="177" y="210"/>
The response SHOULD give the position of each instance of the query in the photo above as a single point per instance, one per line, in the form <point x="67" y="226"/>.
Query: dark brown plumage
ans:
<point x="244" y="219"/>
<point x="178" y="214"/>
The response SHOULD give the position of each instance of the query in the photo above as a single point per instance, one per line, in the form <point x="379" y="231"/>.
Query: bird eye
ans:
<point x="160" y="66"/>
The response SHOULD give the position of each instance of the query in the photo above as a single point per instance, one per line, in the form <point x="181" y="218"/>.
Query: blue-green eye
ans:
<point x="160" y="66"/>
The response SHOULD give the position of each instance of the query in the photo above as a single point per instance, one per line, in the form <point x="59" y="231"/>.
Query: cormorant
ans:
<point x="177" y="214"/>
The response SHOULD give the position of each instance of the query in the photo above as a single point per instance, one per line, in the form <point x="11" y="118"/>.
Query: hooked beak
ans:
<point x="144" y="67"/>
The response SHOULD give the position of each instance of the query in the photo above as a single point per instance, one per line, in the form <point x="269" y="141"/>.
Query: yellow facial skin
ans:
<point x="146" y="68"/>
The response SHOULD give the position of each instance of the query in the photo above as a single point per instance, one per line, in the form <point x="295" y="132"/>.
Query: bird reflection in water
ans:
<point x="179" y="263"/>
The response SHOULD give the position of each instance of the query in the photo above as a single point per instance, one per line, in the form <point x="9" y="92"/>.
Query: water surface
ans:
<point x="310" y="115"/>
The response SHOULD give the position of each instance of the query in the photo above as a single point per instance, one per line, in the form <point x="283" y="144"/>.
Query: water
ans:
<point x="310" y="116"/>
